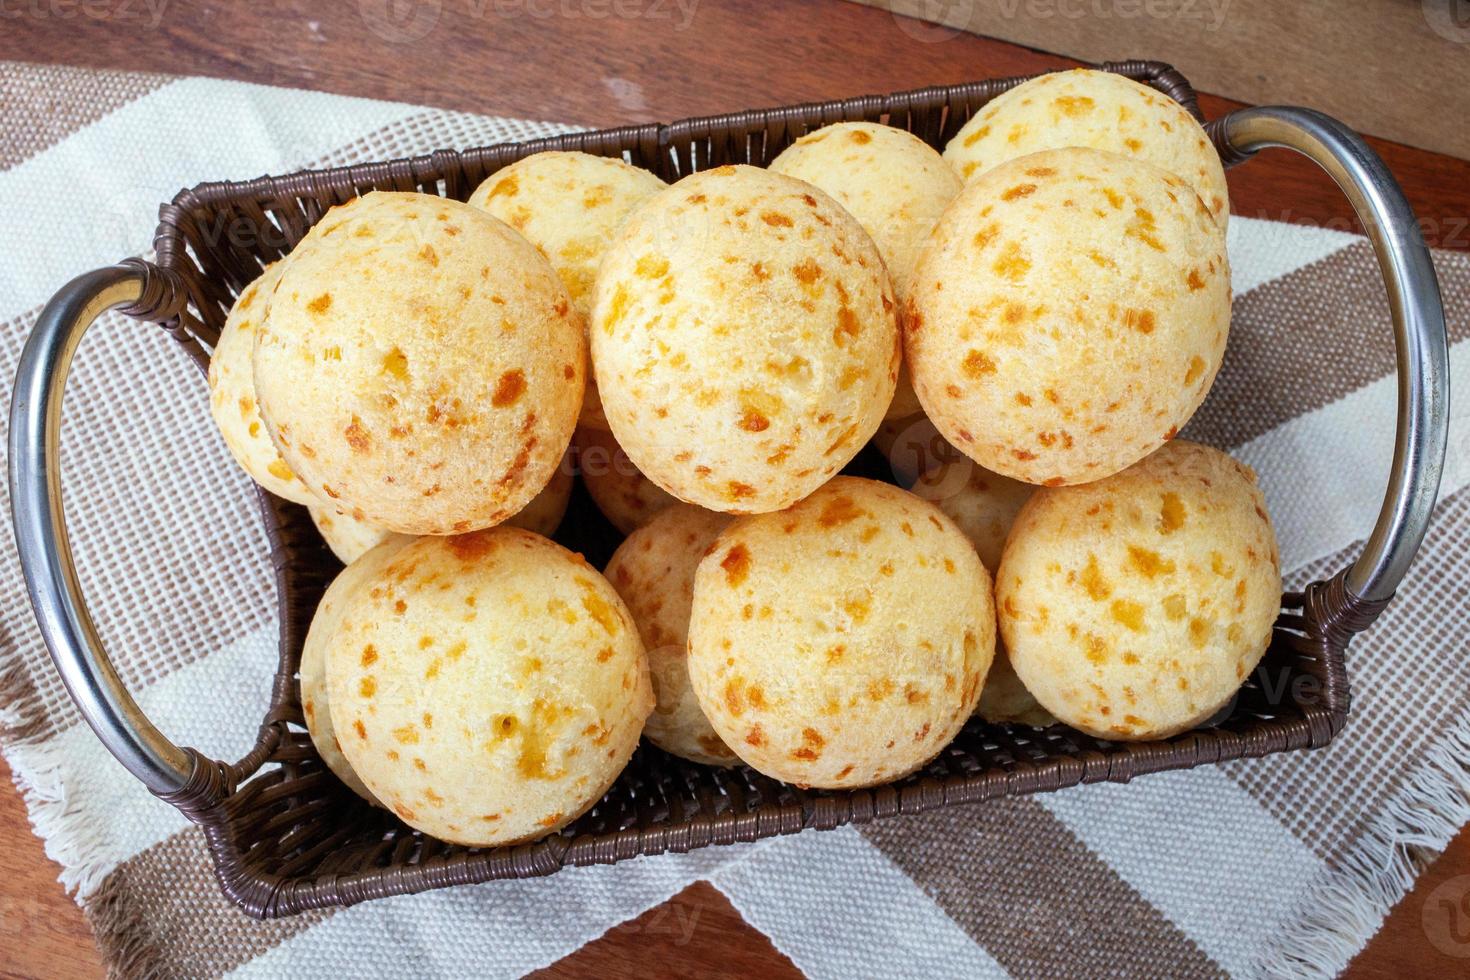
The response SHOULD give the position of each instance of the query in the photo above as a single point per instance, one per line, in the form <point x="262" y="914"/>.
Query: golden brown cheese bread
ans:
<point x="544" y="513"/>
<point x="349" y="537"/>
<point x="1068" y="315"/>
<point x="912" y="445"/>
<point x="232" y="393"/>
<point x="843" y="641"/>
<point x="625" y="496"/>
<point x="487" y="687"/>
<point x="315" y="695"/>
<point x="1005" y="700"/>
<point x="570" y="206"/>
<point x="1097" y="109"/>
<point x="1134" y="607"/>
<point x="983" y="505"/>
<point x="744" y="338"/>
<point x="653" y="570"/>
<point x="421" y="367"/>
<point x="894" y="183"/>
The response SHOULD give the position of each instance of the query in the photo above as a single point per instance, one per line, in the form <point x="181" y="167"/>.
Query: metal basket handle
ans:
<point x="1414" y="303"/>
<point x="41" y="537"/>
<point x="166" y="769"/>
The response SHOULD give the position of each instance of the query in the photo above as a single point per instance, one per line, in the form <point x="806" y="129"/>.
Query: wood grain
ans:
<point x="1402" y="950"/>
<point x="42" y="932"/>
<point x="608" y="70"/>
<point x="1399" y="69"/>
<point x="697" y="935"/>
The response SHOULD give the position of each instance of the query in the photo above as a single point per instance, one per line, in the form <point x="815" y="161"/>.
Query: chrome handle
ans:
<point x="1418" y="326"/>
<point x="40" y="531"/>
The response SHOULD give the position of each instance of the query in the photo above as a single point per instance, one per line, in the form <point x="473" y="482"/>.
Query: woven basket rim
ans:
<point x="264" y="815"/>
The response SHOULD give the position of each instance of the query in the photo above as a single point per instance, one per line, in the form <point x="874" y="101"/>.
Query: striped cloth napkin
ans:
<point x="1282" y="866"/>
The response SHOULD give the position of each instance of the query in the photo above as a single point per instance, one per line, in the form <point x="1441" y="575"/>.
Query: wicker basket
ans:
<point x="287" y="836"/>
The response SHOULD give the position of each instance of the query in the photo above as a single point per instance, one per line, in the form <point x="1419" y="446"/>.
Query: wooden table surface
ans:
<point x="581" y="61"/>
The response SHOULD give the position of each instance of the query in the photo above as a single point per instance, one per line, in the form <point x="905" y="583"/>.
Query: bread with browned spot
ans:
<point x="653" y="570"/>
<point x="349" y="537"/>
<point x="843" y="641"/>
<point x="570" y="205"/>
<point x="983" y="505"/>
<point x="1068" y="315"/>
<point x="315" y="694"/>
<point x="625" y="496"/>
<point x="421" y="367"/>
<point x="1097" y="109"/>
<point x="744" y="338"/>
<point x="1134" y="607"/>
<point x="894" y="183"/>
<point x="232" y="400"/>
<point x="1005" y="700"/>
<point x="912" y="445"/>
<point x="487" y="687"/>
<point x="543" y="515"/>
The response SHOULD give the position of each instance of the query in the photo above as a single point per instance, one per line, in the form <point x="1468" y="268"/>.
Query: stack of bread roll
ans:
<point x="1021" y="325"/>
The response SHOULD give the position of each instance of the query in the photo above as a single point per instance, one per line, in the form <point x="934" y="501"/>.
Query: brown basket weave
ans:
<point x="287" y="836"/>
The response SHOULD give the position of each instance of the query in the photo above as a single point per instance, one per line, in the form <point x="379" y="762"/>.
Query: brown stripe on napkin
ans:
<point x="27" y="719"/>
<point x="161" y="913"/>
<point x="1304" y="340"/>
<point x="1427" y="615"/>
<point x="1309" y="338"/>
<point x="1028" y="891"/>
<point x="40" y="105"/>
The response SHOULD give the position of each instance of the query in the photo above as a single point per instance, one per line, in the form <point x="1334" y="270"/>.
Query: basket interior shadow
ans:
<point x="286" y="836"/>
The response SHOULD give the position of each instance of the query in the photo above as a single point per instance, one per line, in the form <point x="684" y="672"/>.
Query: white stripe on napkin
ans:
<point x="839" y="908"/>
<point x="497" y="929"/>
<point x="1261" y="251"/>
<point x="1200" y="849"/>
<point x="76" y="215"/>
<point x="1324" y="472"/>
